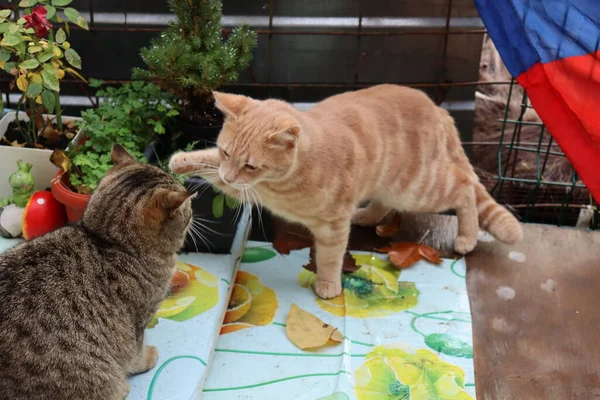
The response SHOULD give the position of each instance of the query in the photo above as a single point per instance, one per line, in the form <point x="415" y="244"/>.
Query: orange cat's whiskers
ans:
<point x="195" y="230"/>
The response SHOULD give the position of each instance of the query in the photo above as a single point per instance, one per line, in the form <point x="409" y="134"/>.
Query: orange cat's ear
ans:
<point x="286" y="138"/>
<point x="119" y="155"/>
<point x="231" y="105"/>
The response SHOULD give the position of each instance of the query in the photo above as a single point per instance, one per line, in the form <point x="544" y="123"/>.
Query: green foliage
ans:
<point x="191" y="58"/>
<point x="131" y="115"/>
<point x="36" y="56"/>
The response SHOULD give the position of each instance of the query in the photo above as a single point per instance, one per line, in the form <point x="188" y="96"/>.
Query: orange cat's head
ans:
<point x="258" y="142"/>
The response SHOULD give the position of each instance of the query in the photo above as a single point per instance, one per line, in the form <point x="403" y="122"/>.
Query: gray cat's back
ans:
<point x="56" y="316"/>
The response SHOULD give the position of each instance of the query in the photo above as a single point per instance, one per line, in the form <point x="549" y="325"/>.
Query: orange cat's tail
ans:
<point x="496" y="219"/>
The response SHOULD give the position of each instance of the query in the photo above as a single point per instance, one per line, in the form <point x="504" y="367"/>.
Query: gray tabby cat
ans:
<point x="74" y="303"/>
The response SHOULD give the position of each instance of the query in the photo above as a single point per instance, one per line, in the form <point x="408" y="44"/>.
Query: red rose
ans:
<point x="37" y="20"/>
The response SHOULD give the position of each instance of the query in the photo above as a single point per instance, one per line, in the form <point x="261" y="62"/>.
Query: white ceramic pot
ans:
<point x="43" y="170"/>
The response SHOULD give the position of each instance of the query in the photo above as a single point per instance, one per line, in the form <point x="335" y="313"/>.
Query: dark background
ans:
<point x="305" y="64"/>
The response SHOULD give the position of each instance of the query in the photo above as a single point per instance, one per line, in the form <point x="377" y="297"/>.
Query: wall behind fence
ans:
<point x="307" y="49"/>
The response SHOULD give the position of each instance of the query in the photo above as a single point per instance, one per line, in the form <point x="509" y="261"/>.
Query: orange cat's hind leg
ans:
<point x="468" y="225"/>
<point x="371" y="215"/>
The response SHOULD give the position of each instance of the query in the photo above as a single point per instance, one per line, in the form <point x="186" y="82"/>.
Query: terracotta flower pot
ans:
<point x="75" y="203"/>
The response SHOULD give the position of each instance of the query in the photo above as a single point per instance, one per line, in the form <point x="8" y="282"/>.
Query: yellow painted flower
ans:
<point x="371" y="291"/>
<point x="193" y="291"/>
<point x="398" y="372"/>
<point x="251" y="304"/>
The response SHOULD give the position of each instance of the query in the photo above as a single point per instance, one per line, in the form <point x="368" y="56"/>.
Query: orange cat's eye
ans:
<point x="251" y="167"/>
<point x="225" y="154"/>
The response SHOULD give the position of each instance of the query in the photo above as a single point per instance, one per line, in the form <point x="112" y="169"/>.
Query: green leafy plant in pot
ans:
<point x="34" y="50"/>
<point x="132" y="115"/>
<point x="191" y="59"/>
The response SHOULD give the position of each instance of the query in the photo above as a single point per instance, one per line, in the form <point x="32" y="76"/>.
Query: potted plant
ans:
<point x="190" y="60"/>
<point x="37" y="57"/>
<point x="131" y="115"/>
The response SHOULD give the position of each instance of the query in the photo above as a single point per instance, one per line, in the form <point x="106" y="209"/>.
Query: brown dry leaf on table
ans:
<point x="390" y="229"/>
<point x="286" y="244"/>
<point x="405" y="254"/>
<point x="307" y="331"/>
<point x="349" y="264"/>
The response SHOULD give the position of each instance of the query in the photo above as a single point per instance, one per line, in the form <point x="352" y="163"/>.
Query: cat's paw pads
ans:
<point x="328" y="289"/>
<point x="151" y="357"/>
<point x="464" y="245"/>
<point x="362" y="217"/>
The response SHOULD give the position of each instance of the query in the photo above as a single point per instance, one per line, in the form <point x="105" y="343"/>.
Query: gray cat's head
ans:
<point x="139" y="205"/>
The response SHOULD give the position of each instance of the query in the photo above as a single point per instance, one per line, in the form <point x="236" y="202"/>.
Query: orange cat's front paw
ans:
<point x="328" y="289"/>
<point x="464" y="245"/>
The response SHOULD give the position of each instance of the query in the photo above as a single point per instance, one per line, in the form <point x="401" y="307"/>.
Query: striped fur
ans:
<point x="74" y="303"/>
<point x="387" y="144"/>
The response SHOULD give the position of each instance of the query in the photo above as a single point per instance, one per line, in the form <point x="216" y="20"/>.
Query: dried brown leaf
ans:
<point x="60" y="159"/>
<point x="286" y="244"/>
<point x="307" y="331"/>
<point x="405" y="254"/>
<point x="349" y="264"/>
<point x="390" y="229"/>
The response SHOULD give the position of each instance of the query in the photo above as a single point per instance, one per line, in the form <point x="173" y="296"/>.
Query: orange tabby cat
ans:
<point x="387" y="144"/>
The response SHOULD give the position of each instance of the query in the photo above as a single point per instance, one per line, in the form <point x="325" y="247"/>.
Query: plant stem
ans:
<point x="57" y="111"/>
<point x="32" y="127"/>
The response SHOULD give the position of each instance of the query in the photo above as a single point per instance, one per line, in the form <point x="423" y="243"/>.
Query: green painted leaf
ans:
<point x="449" y="345"/>
<point x="34" y="89"/>
<point x="231" y="202"/>
<point x="51" y="80"/>
<point x="76" y="18"/>
<point x="61" y="3"/>
<point x="73" y="58"/>
<point x="372" y="260"/>
<point x="4" y="55"/>
<point x="257" y="254"/>
<point x="60" y="36"/>
<point x="50" y="12"/>
<point x="48" y="100"/>
<point x="218" y="205"/>
<point x="27" y="3"/>
<point x="29" y="64"/>
<point x="4" y="27"/>
<point x="14" y="28"/>
<point x="11" y="39"/>
<point x="400" y="391"/>
<point x="4" y="13"/>
<point x="335" y="396"/>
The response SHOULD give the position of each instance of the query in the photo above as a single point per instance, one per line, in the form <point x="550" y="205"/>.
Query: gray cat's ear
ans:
<point x="286" y="138"/>
<point x="169" y="201"/>
<point x="231" y="105"/>
<point x="119" y="155"/>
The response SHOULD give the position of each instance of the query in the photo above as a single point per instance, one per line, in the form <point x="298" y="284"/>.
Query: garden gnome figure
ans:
<point x="11" y="208"/>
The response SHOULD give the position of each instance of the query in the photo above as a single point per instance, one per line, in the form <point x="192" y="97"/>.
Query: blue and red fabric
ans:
<point x="552" y="48"/>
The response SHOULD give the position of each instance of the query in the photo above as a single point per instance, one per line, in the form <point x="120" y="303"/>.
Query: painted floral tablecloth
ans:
<point x="407" y="334"/>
